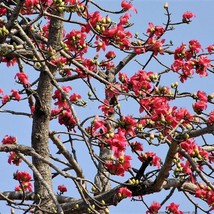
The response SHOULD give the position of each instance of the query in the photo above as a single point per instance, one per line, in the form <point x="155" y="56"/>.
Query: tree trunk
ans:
<point x="40" y="128"/>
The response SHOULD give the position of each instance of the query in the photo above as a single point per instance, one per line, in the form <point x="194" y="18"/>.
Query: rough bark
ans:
<point x="41" y="118"/>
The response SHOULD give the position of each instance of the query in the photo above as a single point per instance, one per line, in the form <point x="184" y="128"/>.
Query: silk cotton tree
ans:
<point x="72" y="74"/>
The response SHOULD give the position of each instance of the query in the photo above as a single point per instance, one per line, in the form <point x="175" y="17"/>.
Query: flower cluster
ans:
<point x="24" y="179"/>
<point x="173" y="208"/>
<point x="201" y="104"/>
<point x="194" y="150"/>
<point x="123" y="192"/>
<point x="9" y="140"/>
<point x="205" y="193"/>
<point x="23" y="79"/>
<point x="187" y="62"/>
<point x="75" y="41"/>
<point x="153" y="209"/>
<point x="63" y="112"/>
<point x="118" y="166"/>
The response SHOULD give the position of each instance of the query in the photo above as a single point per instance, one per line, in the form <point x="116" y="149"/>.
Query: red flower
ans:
<point x="187" y="16"/>
<point x="153" y="209"/>
<point x="173" y="208"/>
<point x="136" y="146"/>
<point x="110" y="55"/>
<point x="5" y="99"/>
<point x="75" y="97"/>
<point x="16" y="95"/>
<point x="14" y="159"/>
<point x="155" y="159"/>
<point x="106" y="108"/>
<point x="123" y="192"/>
<point x="66" y="118"/>
<point x="25" y="186"/>
<point x="199" y="106"/>
<point x="62" y="189"/>
<point x="210" y="48"/>
<point x="22" y="176"/>
<point x="99" y="124"/>
<point x="211" y="118"/>
<point x="115" y="168"/>
<point x="195" y="46"/>
<point x="155" y="30"/>
<point x="202" y="63"/>
<point x="127" y="6"/>
<point x="23" y="78"/>
<point x="9" y="140"/>
<point x="202" y="96"/>
<point x="118" y="142"/>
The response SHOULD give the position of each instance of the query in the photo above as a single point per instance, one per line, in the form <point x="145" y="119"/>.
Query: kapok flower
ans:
<point x="202" y="96"/>
<point x="22" y="176"/>
<point x="187" y="16"/>
<point x="199" y="106"/>
<point x="173" y="208"/>
<point x="127" y="6"/>
<point x="110" y="55"/>
<point x="211" y="118"/>
<point x="210" y="48"/>
<point x="153" y="209"/>
<point x="16" y="95"/>
<point x="9" y="140"/>
<point x="14" y="159"/>
<point x="5" y="99"/>
<point x="25" y="186"/>
<point x="62" y="189"/>
<point x="23" y="78"/>
<point x="123" y="192"/>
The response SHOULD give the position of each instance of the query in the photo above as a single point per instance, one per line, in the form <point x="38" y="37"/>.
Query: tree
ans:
<point x="57" y="46"/>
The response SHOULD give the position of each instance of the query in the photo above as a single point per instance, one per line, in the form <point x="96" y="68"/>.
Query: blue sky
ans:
<point x="148" y="11"/>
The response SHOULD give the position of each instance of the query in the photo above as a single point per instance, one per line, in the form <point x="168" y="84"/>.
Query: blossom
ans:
<point x="155" y="160"/>
<point x="127" y="6"/>
<point x="23" y="78"/>
<point x="210" y="48"/>
<point x="155" y="30"/>
<point x="153" y="209"/>
<point x="75" y="97"/>
<point x="16" y="95"/>
<point x="195" y="46"/>
<point x="187" y="16"/>
<point x="211" y="117"/>
<point x="199" y="106"/>
<point x="66" y="118"/>
<point x="124" y="192"/>
<point x="202" y="96"/>
<point x="136" y="146"/>
<point x="9" y="140"/>
<point x="99" y="124"/>
<point x="14" y="159"/>
<point x="119" y="165"/>
<point x="62" y="189"/>
<point x="22" y="176"/>
<point x="24" y="186"/>
<point x="5" y="99"/>
<point x="201" y="64"/>
<point x="106" y="108"/>
<point x="118" y="142"/>
<point x="110" y="55"/>
<point x="173" y="208"/>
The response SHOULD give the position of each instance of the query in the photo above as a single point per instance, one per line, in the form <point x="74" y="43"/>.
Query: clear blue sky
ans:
<point x="148" y="11"/>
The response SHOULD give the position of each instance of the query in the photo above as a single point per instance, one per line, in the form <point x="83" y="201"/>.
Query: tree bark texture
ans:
<point x="41" y="119"/>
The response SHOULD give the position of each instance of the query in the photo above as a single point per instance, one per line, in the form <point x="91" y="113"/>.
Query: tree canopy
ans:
<point x="108" y="112"/>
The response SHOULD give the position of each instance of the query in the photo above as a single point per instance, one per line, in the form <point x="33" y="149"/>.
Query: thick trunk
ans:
<point x="40" y="128"/>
